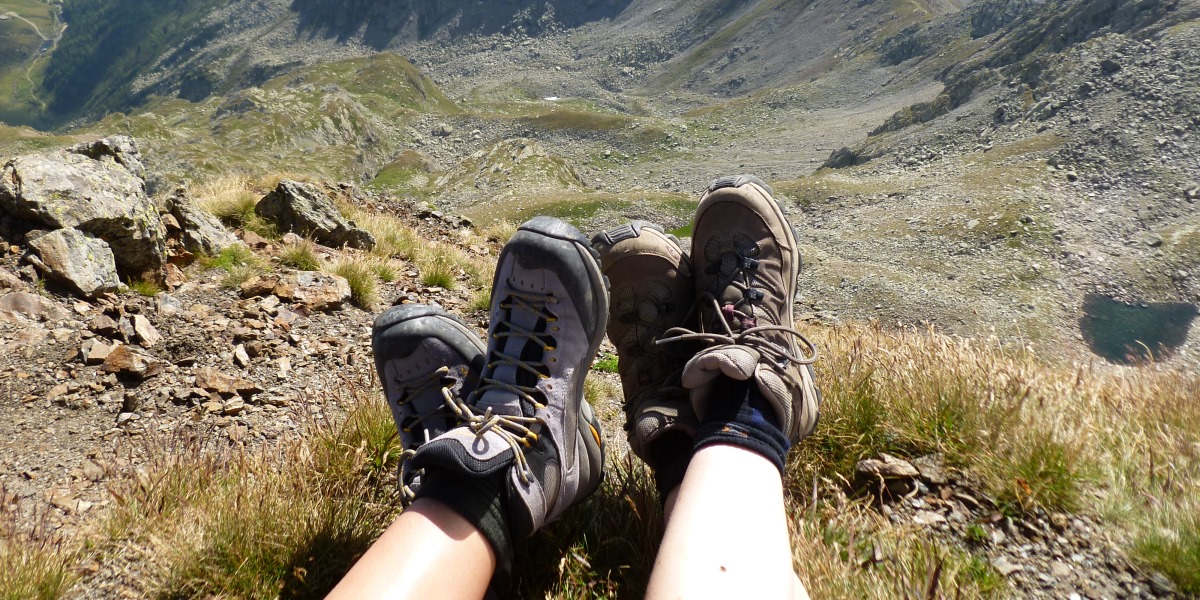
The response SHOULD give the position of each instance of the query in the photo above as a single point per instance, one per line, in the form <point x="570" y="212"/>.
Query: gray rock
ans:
<point x="100" y="197"/>
<point x="304" y="209"/>
<point x="1006" y="567"/>
<point x="95" y="351"/>
<point x="33" y="306"/>
<point x="82" y="262"/>
<point x="120" y="149"/>
<point x="202" y="232"/>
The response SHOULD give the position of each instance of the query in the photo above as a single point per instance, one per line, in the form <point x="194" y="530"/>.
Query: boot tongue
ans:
<point x="504" y="402"/>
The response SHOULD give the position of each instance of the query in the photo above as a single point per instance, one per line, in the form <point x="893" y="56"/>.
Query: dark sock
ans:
<point x="480" y="500"/>
<point x="739" y="415"/>
<point x="671" y="454"/>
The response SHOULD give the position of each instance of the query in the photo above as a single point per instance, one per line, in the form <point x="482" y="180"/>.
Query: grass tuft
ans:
<point x="364" y="284"/>
<point x="438" y="270"/>
<point x="301" y="256"/>
<point x="239" y="263"/>
<point x="606" y="364"/>
<point x="145" y="288"/>
<point x="231" y="199"/>
<point x="34" y="563"/>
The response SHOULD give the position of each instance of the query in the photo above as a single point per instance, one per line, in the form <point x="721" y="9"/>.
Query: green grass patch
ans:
<point x="301" y="256"/>
<point x="145" y="288"/>
<point x="606" y="364"/>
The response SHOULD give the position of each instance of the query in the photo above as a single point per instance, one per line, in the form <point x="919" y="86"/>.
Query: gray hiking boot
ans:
<point x="425" y="358"/>
<point x="747" y="260"/>
<point x="528" y="419"/>
<point x="652" y="291"/>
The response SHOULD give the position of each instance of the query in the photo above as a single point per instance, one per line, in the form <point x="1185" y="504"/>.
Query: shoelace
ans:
<point x="752" y="337"/>
<point x="436" y="380"/>
<point x="752" y="334"/>
<point x="514" y="430"/>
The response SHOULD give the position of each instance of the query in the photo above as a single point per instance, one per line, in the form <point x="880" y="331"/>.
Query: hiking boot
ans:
<point x="652" y="291"/>
<point x="746" y="262"/>
<point x="425" y="358"/>
<point x="527" y="421"/>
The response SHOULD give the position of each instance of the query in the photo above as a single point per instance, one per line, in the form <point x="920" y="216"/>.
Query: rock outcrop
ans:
<point x="304" y="209"/>
<point x="90" y="188"/>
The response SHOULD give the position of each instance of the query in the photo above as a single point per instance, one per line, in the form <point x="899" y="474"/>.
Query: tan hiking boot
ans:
<point x="652" y="291"/>
<point x="747" y="260"/>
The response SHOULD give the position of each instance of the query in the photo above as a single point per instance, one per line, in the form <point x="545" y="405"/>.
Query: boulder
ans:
<point x="202" y="232"/>
<point x="80" y="261"/>
<point x="102" y="197"/>
<point x="840" y="159"/>
<point x="304" y="209"/>
<point x="120" y="149"/>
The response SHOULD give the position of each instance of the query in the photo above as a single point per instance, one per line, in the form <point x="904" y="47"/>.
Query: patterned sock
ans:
<point x="739" y="415"/>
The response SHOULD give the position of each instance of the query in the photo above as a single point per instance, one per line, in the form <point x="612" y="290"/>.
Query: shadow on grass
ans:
<point x="604" y="547"/>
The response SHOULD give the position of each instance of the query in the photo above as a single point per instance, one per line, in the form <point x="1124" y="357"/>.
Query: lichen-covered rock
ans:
<point x="304" y="209"/>
<point x="82" y="262"/>
<point x="103" y="198"/>
<point x="202" y="232"/>
<point x="120" y="149"/>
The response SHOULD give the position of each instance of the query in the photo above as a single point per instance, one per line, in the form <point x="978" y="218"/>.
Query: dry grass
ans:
<point x="208" y="521"/>
<point x="35" y="562"/>
<point x="364" y="283"/>
<point x="232" y="199"/>
<point x="440" y="264"/>
<point x="1120" y="442"/>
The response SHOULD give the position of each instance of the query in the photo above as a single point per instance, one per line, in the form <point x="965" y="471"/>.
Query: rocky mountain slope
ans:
<point x="1023" y="171"/>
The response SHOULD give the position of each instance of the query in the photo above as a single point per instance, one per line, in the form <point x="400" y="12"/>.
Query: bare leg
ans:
<point x="727" y="533"/>
<point x="429" y="551"/>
